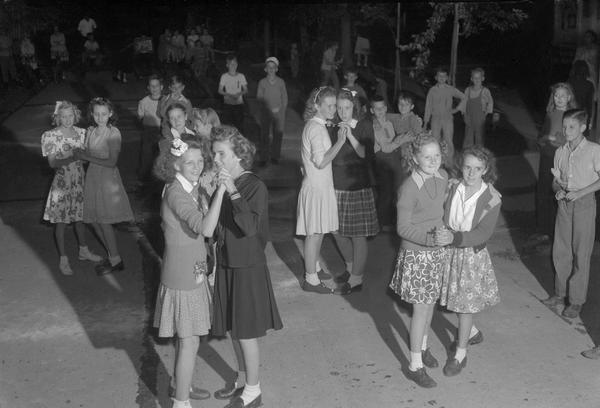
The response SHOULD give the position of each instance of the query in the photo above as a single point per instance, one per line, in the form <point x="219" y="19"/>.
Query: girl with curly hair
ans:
<point x="184" y="301"/>
<point x="468" y="282"/>
<point x="65" y="199"/>
<point x="244" y="302"/>
<point x="105" y="201"/>
<point x="419" y="266"/>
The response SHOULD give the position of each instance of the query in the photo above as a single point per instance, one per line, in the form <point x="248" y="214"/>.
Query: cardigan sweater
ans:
<point x="420" y="208"/>
<point x="484" y="219"/>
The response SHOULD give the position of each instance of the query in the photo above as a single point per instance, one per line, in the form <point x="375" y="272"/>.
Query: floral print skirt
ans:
<point x="468" y="281"/>
<point x="418" y="275"/>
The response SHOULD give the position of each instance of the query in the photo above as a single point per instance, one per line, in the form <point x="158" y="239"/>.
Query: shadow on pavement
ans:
<point x="108" y="308"/>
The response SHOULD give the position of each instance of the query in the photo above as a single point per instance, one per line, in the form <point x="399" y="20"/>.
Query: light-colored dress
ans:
<point x="105" y="199"/>
<point x="317" y="211"/>
<point x="65" y="200"/>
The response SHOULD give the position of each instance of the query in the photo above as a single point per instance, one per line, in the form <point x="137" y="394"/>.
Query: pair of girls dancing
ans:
<point x="242" y="301"/>
<point x="76" y="196"/>
<point x="444" y="226"/>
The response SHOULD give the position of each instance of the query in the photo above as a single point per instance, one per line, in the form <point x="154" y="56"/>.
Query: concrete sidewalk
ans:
<point x="81" y="341"/>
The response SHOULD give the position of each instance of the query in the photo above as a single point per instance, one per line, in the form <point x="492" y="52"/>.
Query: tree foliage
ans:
<point x="474" y="17"/>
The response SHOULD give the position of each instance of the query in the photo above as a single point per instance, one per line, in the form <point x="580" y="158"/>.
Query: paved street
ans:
<point x="85" y="341"/>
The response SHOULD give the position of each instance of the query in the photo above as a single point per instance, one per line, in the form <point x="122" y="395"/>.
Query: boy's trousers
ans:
<point x="442" y="128"/>
<point x="574" y="235"/>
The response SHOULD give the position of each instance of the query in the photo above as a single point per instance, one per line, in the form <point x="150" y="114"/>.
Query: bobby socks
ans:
<point x="416" y="361"/>
<point x="349" y="266"/>
<point x="313" y="278"/>
<point x="461" y="353"/>
<point x="355" y="280"/>
<point x="474" y="331"/>
<point x="424" y="345"/>
<point x="114" y="260"/>
<point x="251" y="392"/>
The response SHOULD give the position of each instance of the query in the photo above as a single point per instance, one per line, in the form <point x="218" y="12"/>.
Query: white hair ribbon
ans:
<point x="353" y="93"/>
<point x="178" y="147"/>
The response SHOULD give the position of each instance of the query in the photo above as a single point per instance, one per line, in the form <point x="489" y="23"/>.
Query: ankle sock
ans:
<point x="312" y="278"/>
<point x="251" y="392"/>
<point x="355" y="280"/>
<point x="461" y="353"/>
<point x="416" y="361"/>
<point x="424" y="345"/>
<point x="474" y="331"/>
<point x="349" y="266"/>
<point x="114" y="260"/>
<point x="64" y="259"/>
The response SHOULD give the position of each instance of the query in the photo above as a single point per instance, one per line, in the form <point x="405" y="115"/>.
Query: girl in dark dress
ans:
<point x="244" y="303"/>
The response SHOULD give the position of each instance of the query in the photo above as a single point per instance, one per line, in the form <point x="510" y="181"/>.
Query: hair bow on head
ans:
<point x="353" y="93"/>
<point x="56" y="106"/>
<point x="178" y="147"/>
<point x="318" y="92"/>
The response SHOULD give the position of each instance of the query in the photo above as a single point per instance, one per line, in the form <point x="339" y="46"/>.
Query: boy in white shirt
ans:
<point x="233" y="86"/>
<point x="147" y="108"/>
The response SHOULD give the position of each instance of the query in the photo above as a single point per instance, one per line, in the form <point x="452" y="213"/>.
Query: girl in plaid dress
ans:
<point x="184" y="300"/>
<point x="355" y="200"/>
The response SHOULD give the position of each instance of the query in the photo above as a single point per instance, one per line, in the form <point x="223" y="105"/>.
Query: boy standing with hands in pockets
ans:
<point x="576" y="178"/>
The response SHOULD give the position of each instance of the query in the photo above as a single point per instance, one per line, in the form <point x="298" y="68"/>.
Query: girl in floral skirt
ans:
<point x="421" y="258"/>
<point x="471" y="211"/>
<point x="65" y="199"/>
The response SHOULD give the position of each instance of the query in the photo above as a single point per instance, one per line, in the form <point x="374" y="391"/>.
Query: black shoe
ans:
<point x="478" y="338"/>
<point x="428" y="359"/>
<point x="195" y="393"/>
<point x="343" y="278"/>
<point x="239" y="403"/>
<point x="229" y="391"/>
<point x="106" y="267"/>
<point x="421" y="378"/>
<point x="323" y="275"/>
<point x="453" y="367"/>
<point x="320" y="288"/>
<point x="342" y="289"/>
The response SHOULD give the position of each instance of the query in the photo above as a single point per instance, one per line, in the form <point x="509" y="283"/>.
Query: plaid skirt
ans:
<point x="357" y="213"/>
<point x="183" y="312"/>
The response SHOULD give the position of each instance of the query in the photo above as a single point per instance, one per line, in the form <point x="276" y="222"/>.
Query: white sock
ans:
<point x="114" y="259"/>
<point x="474" y="331"/>
<point x="355" y="280"/>
<point x="415" y="361"/>
<point x="251" y="392"/>
<point x="461" y="353"/>
<point x="181" y="404"/>
<point x="349" y="266"/>
<point x="424" y="345"/>
<point x="64" y="259"/>
<point x="241" y="379"/>
<point x="312" y="278"/>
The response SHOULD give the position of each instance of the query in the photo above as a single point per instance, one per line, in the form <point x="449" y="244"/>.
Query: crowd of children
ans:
<point x="363" y="168"/>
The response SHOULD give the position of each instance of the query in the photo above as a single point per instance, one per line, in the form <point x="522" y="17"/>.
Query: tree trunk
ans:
<point x="267" y="33"/>
<point x="454" y="51"/>
<point x="397" y="72"/>
<point x="346" y="43"/>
